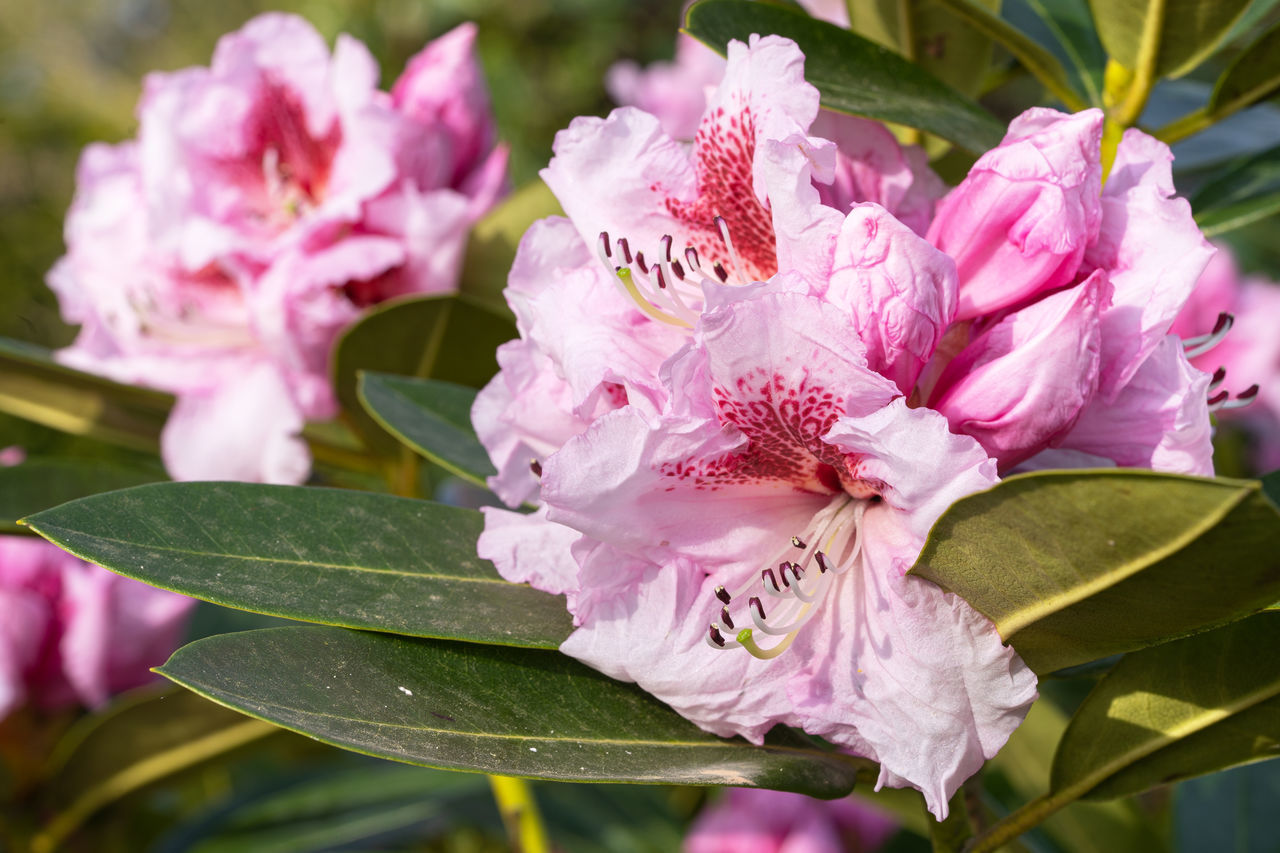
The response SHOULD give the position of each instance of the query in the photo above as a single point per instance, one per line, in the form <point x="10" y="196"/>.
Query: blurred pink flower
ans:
<point x="769" y="381"/>
<point x="73" y="633"/>
<point x="1247" y="355"/>
<point x="267" y="200"/>
<point x="749" y="820"/>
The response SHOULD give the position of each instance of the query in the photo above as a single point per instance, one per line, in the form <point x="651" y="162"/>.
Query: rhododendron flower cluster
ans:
<point x="266" y="201"/>
<point x="75" y="633"/>
<point x="748" y="820"/>
<point x="744" y="391"/>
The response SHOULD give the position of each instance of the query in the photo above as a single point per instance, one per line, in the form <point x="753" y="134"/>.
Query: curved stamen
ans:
<point x="1223" y="401"/>
<point x="1203" y="343"/>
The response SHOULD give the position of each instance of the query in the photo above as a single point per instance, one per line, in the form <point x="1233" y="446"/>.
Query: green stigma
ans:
<point x="624" y="273"/>
<point x="744" y="636"/>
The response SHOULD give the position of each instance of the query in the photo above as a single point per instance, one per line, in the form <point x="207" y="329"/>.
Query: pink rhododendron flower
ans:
<point x="267" y="200"/>
<point x="751" y="378"/>
<point x="747" y="820"/>
<point x="1243" y="353"/>
<point x="73" y="633"/>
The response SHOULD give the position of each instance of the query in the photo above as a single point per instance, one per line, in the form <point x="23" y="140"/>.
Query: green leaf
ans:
<point x="443" y="337"/>
<point x="338" y="557"/>
<point x="140" y="740"/>
<point x="432" y="417"/>
<point x="41" y="483"/>
<point x="1234" y="810"/>
<point x="1190" y="30"/>
<point x="1220" y="220"/>
<point x="1252" y="76"/>
<point x="1069" y="26"/>
<point x="35" y="387"/>
<point x="1174" y="711"/>
<point x="370" y="803"/>
<point x="1239" y="180"/>
<point x="485" y="709"/>
<point x="853" y="74"/>
<point x="1041" y="63"/>
<point x="1077" y="565"/>
<point x="492" y="245"/>
<point x="930" y="35"/>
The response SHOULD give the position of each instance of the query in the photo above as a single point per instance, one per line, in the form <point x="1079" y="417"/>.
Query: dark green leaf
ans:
<point x="942" y="43"/>
<point x="333" y="556"/>
<point x="442" y="337"/>
<point x="1220" y="220"/>
<point x="432" y="417"/>
<point x="1067" y="28"/>
<point x="1191" y="30"/>
<point x="1252" y="76"/>
<point x="1174" y="711"/>
<point x="853" y="74"/>
<point x="1041" y="63"/>
<point x="35" y="387"/>
<point x="492" y="245"/>
<point x="1234" y="810"/>
<point x="42" y="483"/>
<point x="1077" y="565"/>
<point x="486" y="709"/>
<point x="1240" y="180"/>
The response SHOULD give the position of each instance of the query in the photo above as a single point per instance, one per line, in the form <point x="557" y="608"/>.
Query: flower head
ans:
<point x="267" y="200"/>
<point x="753" y="406"/>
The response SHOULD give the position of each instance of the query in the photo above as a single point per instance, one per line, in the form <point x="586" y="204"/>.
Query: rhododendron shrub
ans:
<point x="748" y="374"/>
<point x="267" y="200"/>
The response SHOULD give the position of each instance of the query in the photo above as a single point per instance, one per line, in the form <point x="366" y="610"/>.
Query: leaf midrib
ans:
<point x="49" y="532"/>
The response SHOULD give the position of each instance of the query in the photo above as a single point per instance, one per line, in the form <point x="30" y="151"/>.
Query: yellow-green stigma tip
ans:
<point x="624" y="273"/>
<point x="744" y="636"/>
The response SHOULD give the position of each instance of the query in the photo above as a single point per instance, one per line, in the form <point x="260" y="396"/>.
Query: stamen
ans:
<point x="536" y="467"/>
<point x="728" y="244"/>
<point x="1203" y="343"/>
<point x="626" y="250"/>
<point x="1218" y="376"/>
<point x="1244" y="398"/>
<point x="726" y="618"/>
<point x="723" y="594"/>
<point x="797" y="542"/>
<point x="714" y="635"/>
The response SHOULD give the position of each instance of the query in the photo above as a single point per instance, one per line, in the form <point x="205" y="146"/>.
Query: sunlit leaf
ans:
<point x="853" y="74"/>
<point x="482" y="708"/>
<point x="1190" y="30"/>
<point x="1220" y="220"/>
<point x="1077" y="565"/>
<point x="358" y="559"/>
<point x="1178" y="710"/>
<point x="432" y="417"/>
<point x="1251" y="76"/>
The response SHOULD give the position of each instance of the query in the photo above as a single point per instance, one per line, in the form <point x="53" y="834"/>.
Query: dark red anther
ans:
<point x="720" y="273"/>
<point x="662" y="282"/>
<point x="644" y="268"/>
<point x="691" y="255"/>
<point x="797" y="542"/>
<point x="1219" y="398"/>
<point x="626" y="249"/>
<point x="767" y="575"/>
<point x="725" y="618"/>
<point x="678" y="270"/>
<point x="723" y="594"/>
<point x="716" y="636"/>
<point x="1247" y="395"/>
<point x="536" y="467"/>
<point x="666" y="246"/>
<point x="1218" y="375"/>
<point x="604" y="240"/>
<point x="754" y="601"/>
<point x="823" y="568"/>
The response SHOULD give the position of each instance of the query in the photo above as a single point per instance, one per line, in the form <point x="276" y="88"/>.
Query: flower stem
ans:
<point x="1028" y="817"/>
<point x="520" y="814"/>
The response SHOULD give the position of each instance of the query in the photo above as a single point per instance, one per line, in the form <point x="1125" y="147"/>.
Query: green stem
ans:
<point x="1129" y="108"/>
<point x="1024" y="819"/>
<point x="520" y="814"/>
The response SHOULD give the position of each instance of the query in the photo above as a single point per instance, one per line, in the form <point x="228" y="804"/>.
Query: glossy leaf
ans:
<point x="42" y="483"/>
<point x="1077" y="565"/>
<point x="1041" y="63"/>
<point x="1191" y="30"/>
<point x="943" y="43"/>
<point x="443" y="337"/>
<point x="492" y="245"/>
<point x="1178" y="710"/>
<point x="1251" y="76"/>
<point x="1066" y="28"/>
<point x="481" y="708"/>
<point x="853" y="74"/>
<point x="333" y="556"/>
<point x="36" y="388"/>
<point x="432" y="417"/>
<point x="1240" y="180"/>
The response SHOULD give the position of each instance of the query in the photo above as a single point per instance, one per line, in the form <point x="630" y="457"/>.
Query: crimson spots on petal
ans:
<point x="724" y="152"/>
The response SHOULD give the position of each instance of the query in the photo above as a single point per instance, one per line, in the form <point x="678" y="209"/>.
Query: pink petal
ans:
<point x="1023" y="382"/>
<point x="1019" y="224"/>
<point x="529" y="549"/>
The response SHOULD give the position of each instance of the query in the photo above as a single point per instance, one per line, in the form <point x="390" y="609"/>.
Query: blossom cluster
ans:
<point x="755" y="368"/>
<point x="266" y="201"/>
